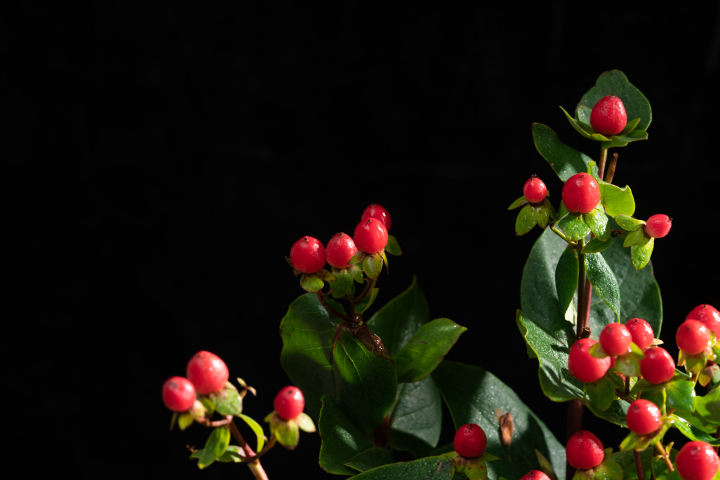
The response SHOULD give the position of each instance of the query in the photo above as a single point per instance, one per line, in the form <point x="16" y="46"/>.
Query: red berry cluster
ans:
<point x="206" y="373"/>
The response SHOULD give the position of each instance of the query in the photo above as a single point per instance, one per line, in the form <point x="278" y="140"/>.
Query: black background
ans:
<point x="162" y="157"/>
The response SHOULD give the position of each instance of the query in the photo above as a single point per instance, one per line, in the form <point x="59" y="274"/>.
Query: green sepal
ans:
<point x="582" y="117"/>
<point x="566" y="277"/>
<point x="342" y="284"/>
<point x="708" y="374"/>
<point x="635" y="238"/>
<point x="357" y="258"/>
<point x="372" y="265"/>
<point x="551" y="209"/>
<point x="640" y="253"/>
<point x="385" y="260"/>
<point x="601" y="393"/>
<point x="541" y="214"/>
<point x="305" y="423"/>
<point x="227" y="401"/>
<point x="574" y="226"/>
<point x="597" y="351"/>
<point x="622" y="140"/>
<point x="525" y="220"/>
<point x="628" y="364"/>
<point x="629" y="223"/>
<point x="311" y="283"/>
<point x="325" y="275"/>
<point x="693" y="363"/>
<point x="680" y="395"/>
<point x="616" y="200"/>
<point x="596" y="245"/>
<point x="356" y="273"/>
<point x="393" y="247"/>
<point x="202" y="407"/>
<point x="295" y="272"/>
<point x="287" y="433"/>
<point x="214" y="447"/>
<point x="257" y="429"/>
<point x="185" y="420"/>
<point x="607" y="470"/>
<point x="639" y="443"/>
<point x="367" y="301"/>
<point x="630" y="126"/>
<point x="518" y="203"/>
<point x="590" y="134"/>
<point x="598" y="222"/>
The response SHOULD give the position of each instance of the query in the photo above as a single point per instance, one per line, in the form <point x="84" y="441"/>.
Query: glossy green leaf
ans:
<point x="525" y="220"/>
<point x="429" y="468"/>
<point x="342" y="284"/>
<point x="589" y="134"/>
<point x="630" y="126"/>
<point x="356" y="273"/>
<point x="628" y="223"/>
<point x="574" y="226"/>
<point x="416" y="419"/>
<point x="680" y="395"/>
<point x="372" y="265"/>
<point x="518" y="203"/>
<point x="696" y="421"/>
<point x="617" y="201"/>
<point x="473" y="395"/>
<point x="635" y="238"/>
<point x="393" y="247"/>
<point x="603" y="281"/>
<point x="566" y="277"/>
<point x="185" y="420"/>
<point x="640" y="253"/>
<point x="551" y="209"/>
<point x="692" y="432"/>
<point x="616" y="83"/>
<point x="564" y="160"/>
<point x="596" y="245"/>
<point x="257" y="429"/>
<point x="598" y="223"/>
<point x="232" y="453"/>
<point x="661" y="472"/>
<point x="367" y="301"/>
<point x="622" y="140"/>
<point x="707" y="407"/>
<point x="357" y="258"/>
<point x="228" y="402"/>
<point x="601" y="393"/>
<point x="215" y="446"/>
<point x="311" y="283"/>
<point x="426" y="349"/>
<point x="318" y="364"/>
<point x="626" y="460"/>
<point x="542" y="214"/>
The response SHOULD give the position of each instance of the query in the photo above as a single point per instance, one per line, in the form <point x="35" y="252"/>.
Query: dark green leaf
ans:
<point x="525" y="220"/>
<point x="574" y="226"/>
<point x="589" y="134"/>
<point x="616" y="83"/>
<point x="426" y="349"/>
<point x="228" y="402"/>
<point x="596" y="245"/>
<point x="635" y="238"/>
<point x="551" y="209"/>
<point x="311" y="283"/>
<point x="357" y="258"/>
<point x="598" y="223"/>
<point x="372" y="265"/>
<point x="607" y="470"/>
<point x="622" y="140"/>
<point x="215" y="446"/>
<point x="631" y="125"/>
<point x="603" y="281"/>
<point x="680" y="395"/>
<point x="430" y="468"/>
<point x="640" y="253"/>
<point x="542" y="214"/>
<point x="564" y="160"/>
<point x="601" y="394"/>
<point x="343" y="283"/>
<point x="367" y="301"/>
<point x="708" y="406"/>
<point x="626" y="460"/>
<point x="518" y="203"/>
<point x="473" y="395"/>
<point x="616" y="200"/>
<point x="416" y="420"/>
<point x="393" y="247"/>
<point x="257" y="429"/>
<point x="628" y="223"/>
<point x="369" y="459"/>
<point x="566" y="277"/>
<point x="582" y="115"/>
<point x="694" y="433"/>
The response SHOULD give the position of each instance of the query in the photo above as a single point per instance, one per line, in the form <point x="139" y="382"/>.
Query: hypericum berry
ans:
<point x="658" y="226"/>
<point x="608" y="116"/>
<point x="584" y="450"/>
<point x="535" y="475"/>
<point x="708" y="315"/>
<point x="584" y="366"/>
<point x="535" y="190"/>
<point x="643" y="417"/>
<point x="178" y="394"/>
<point x="615" y="339"/>
<point x="697" y="461"/>
<point x="308" y="255"/>
<point x="470" y="440"/>
<point x="641" y="332"/>
<point x="207" y="372"/>
<point x="370" y="235"/>
<point x="377" y="211"/>
<point x="657" y="366"/>
<point x="340" y="249"/>
<point x="581" y="193"/>
<point x="692" y="337"/>
<point x="289" y="403"/>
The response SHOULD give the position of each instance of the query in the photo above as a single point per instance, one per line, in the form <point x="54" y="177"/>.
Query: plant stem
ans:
<point x="664" y="454"/>
<point x="638" y="465"/>
<point x="368" y="288"/>
<point x="321" y="297"/>
<point x="562" y="235"/>
<point x="584" y="293"/>
<point x="611" y="168"/>
<point x="601" y="164"/>
<point x="252" y="461"/>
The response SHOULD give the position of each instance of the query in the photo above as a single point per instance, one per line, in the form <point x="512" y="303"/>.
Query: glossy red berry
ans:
<point x="657" y="366"/>
<point x="608" y="116"/>
<point x="207" y="372"/>
<point x="697" y="461"/>
<point x="708" y="315"/>
<point x="658" y="226"/>
<point x="581" y="193"/>
<point x="641" y="332"/>
<point x="470" y="440"/>
<point x="340" y="249"/>
<point x="377" y="211"/>
<point x="615" y="339"/>
<point x="178" y="394"/>
<point x="584" y="450"/>
<point x="370" y="235"/>
<point x="308" y="255"/>
<point x="535" y="475"/>
<point x="584" y="366"/>
<point x="643" y="417"/>
<point x="289" y="403"/>
<point x="692" y="337"/>
<point x="534" y="190"/>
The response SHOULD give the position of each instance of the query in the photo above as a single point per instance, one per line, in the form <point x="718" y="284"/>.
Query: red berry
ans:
<point x="470" y="440"/>
<point x="641" y="331"/>
<point x="643" y="417"/>
<point x="377" y="211"/>
<point x="584" y="366"/>
<point x="308" y="255"/>
<point x="697" y="461"/>
<point x="178" y="394"/>
<point x="584" y="450"/>
<point x="535" y="475"/>
<point x="340" y="249"/>
<point x="207" y="372"/>
<point x="608" y="116"/>
<point x="657" y="366"/>
<point x="581" y="193"/>
<point x="692" y="337"/>
<point x="708" y="315"/>
<point x="289" y="403"/>
<point x="615" y="339"/>
<point x="658" y="226"/>
<point x="535" y="190"/>
<point x="370" y="235"/>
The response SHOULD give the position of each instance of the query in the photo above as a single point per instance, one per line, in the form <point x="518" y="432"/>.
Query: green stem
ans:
<point x="664" y="454"/>
<point x="601" y="164"/>
<point x="562" y="235"/>
<point x="584" y="293"/>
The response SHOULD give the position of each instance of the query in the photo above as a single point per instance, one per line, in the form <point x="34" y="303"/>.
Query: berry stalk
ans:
<point x="253" y="462"/>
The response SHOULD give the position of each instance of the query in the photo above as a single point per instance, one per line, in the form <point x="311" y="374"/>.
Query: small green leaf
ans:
<point x="641" y="442"/>
<point x="598" y="223"/>
<point x="304" y="422"/>
<point x="582" y="115"/>
<point x="692" y="432"/>
<point x="695" y="363"/>
<point x="525" y="220"/>
<point x="564" y="160"/>
<point x="628" y="223"/>
<point x="601" y="393"/>
<point x="356" y="273"/>
<point x="640" y="253"/>
<point x="591" y="134"/>
<point x="372" y="265"/>
<point x="680" y="395"/>
<point x="708" y="406"/>
<point x="257" y="429"/>
<point x="232" y="453"/>
<point x="426" y="349"/>
<point x="635" y="238"/>
<point x="185" y="420"/>
<point x="626" y="460"/>
<point x="566" y="277"/>
<point x="551" y="209"/>
<point x="311" y="283"/>
<point x="215" y="446"/>
<point x="574" y="226"/>
<point x="596" y="245"/>
<point x="393" y="247"/>
<point x="622" y="140"/>
<point x="603" y="281"/>
<point x="228" y="402"/>
<point x="325" y="275"/>
<point x="542" y="214"/>
<point x="518" y="203"/>
<point x="206" y="403"/>
<point x="367" y="301"/>
<point x="475" y="469"/>
<point x="615" y="82"/>
<point x="368" y="459"/>
<point x="597" y="351"/>
<point x="429" y="468"/>
<point x="357" y="258"/>
<point x="342" y="284"/>
<point x="617" y="201"/>
<point x="630" y="126"/>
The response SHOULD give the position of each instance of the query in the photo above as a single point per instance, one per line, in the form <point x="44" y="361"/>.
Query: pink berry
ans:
<point x="708" y="315"/>
<point x="207" y="372"/>
<point x="289" y="403"/>
<point x="692" y="337"/>
<point x="584" y="366"/>
<point x="584" y="450"/>
<point x="308" y="255"/>
<point x="178" y="394"/>
<point x="370" y="235"/>
<point x="534" y="190"/>
<point x="535" y="475"/>
<point x="697" y="461"/>
<point x="643" y="417"/>
<point x="470" y="440"/>
<point x="615" y="339"/>
<point x="581" y="193"/>
<point x="377" y="211"/>
<point x="608" y="116"/>
<point x="657" y="366"/>
<point x="641" y="332"/>
<point x="658" y="226"/>
<point x="340" y="249"/>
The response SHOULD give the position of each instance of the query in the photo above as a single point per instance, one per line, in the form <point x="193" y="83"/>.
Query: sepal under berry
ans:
<point x="640" y="253"/>
<point x="542" y="214"/>
<point x="372" y="265"/>
<point x="525" y="220"/>
<point x="184" y="420"/>
<point x="634" y="238"/>
<point x="295" y="271"/>
<point x="628" y="223"/>
<point x="607" y="470"/>
<point x="356" y="273"/>
<point x="601" y="394"/>
<point x="227" y="401"/>
<point x="598" y="222"/>
<point x="628" y="364"/>
<point x="311" y="283"/>
<point x="343" y="282"/>
<point x="585" y="129"/>
<point x="474" y="468"/>
<point x="286" y="432"/>
<point x="393" y="247"/>
<point x="574" y="226"/>
<point x="518" y="203"/>
<point x="709" y="374"/>
<point x="692" y="363"/>
<point x="200" y="410"/>
<point x="635" y="441"/>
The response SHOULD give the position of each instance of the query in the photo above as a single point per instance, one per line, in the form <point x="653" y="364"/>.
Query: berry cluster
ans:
<point x="206" y="373"/>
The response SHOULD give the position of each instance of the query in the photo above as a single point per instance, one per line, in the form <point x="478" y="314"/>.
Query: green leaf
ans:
<point x="622" y="140"/>
<point x="426" y="349"/>
<point x="564" y="160"/>
<point x="397" y="321"/>
<point x="343" y="283"/>
<point x="589" y="134"/>
<point x="356" y="273"/>
<point x="616" y="200"/>
<point x="305" y="423"/>
<point x="473" y="395"/>
<point x="640" y="253"/>
<point x="582" y="115"/>
<point x="215" y="446"/>
<point x="626" y="460"/>
<point x="574" y="226"/>
<point x="257" y="429"/>
<point x="635" y="238"/>
<point x="692" y="432"/>
<point x="541" y="214"/>
<point x="518" y="203"/>
<point x="393" y="247"/>
<point x="598" y="223"/>
<point x="343" y="441"/>
<point x="707" y="407"/>
<point x="660" y="470"/>
<point x="630" y="126"/>
<point x="566" y="277"/>
<point x="357" y="258"/>
<point x="607" y="470"/>
<point x="228" y="402"/>
<point x="628" y="364"/>
<point x="596" y="245"/>
<point x="185" y="420"/>
<point x="416" y="420"/>
<point x="680" y="395"/>
<point x="601" y="394"/>
<point x="367" y="301"/>
<point x="551" y="209"/>
<point x="628" y="223"/>
<point x="525" y="220"/>
<point x="362" y="383"/>
<point x="372" y="265"/>
<point x="429" y="468"/>
<point x="232" y="453"/>
<point x="311" y="283"/>
<point x="603" y="281"/>
<point x="616" y="83"/>
<point x="287" y="434"/>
